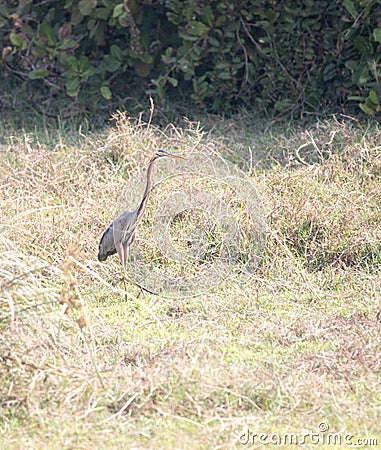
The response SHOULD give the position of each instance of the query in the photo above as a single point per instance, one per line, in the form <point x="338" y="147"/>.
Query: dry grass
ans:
<point x="296" y="345"/>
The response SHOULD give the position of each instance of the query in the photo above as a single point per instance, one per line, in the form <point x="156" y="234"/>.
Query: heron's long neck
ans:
<point x="143" y="204"/>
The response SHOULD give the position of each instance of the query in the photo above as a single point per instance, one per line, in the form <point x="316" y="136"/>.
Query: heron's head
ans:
<point x="163" y="153"/>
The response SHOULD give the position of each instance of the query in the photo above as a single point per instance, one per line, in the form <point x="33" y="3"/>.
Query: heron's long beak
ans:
<point x="167" y="154"/>
<point x="175" y="156"/>
<point x="171" y="155"/>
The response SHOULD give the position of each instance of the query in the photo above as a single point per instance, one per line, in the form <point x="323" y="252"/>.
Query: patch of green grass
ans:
<point x="294" y="345"/>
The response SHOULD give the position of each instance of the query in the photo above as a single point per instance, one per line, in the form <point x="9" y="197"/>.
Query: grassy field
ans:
<point x="293" y="350"/>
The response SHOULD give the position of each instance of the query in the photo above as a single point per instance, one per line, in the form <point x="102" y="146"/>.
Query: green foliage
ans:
<point x="83" y="48"/>
<point x="284" y="56"/>
<point x="276" y="55"/>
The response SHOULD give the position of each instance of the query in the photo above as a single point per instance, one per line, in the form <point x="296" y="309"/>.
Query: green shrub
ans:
<point x="285" y="56"/>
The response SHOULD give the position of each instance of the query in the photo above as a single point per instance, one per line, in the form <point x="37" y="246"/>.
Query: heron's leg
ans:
<point x="126" y="249"/>
<point x="121" y="253"/>
<point x="119" y="249"/>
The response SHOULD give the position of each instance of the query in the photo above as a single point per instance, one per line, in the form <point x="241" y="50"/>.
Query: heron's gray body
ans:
<point x="121" y="231"/>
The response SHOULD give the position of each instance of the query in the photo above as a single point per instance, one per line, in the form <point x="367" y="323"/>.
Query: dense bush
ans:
<point x="287" y="55"/>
